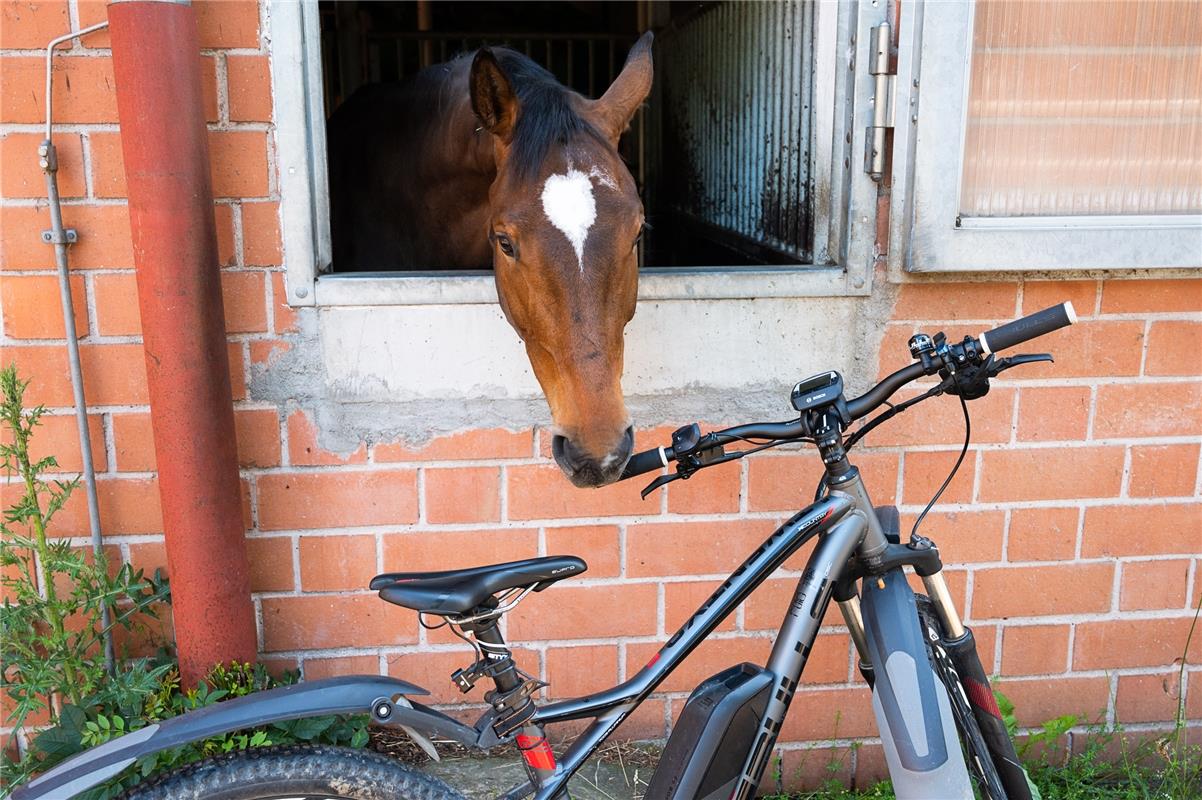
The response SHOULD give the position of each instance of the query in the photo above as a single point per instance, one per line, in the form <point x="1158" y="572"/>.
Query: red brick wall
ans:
<point x="1073" y="531"/>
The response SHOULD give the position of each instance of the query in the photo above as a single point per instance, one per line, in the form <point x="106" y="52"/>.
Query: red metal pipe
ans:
<point x="156" y="64"/>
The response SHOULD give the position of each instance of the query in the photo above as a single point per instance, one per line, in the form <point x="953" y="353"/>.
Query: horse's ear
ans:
<point x="493" y="98"/>
<point x="628" y="91"/>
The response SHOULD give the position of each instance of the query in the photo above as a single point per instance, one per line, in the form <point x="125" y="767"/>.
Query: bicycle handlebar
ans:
<point x="1000" y="338"/>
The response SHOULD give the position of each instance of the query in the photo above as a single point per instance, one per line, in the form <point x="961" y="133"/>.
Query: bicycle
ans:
<point x="942" y="731"/>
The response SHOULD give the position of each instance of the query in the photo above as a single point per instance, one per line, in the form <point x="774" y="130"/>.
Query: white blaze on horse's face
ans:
<point x="569" y="205"/>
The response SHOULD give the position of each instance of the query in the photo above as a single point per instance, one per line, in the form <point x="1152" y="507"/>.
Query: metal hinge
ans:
<point x="882" y="101"/>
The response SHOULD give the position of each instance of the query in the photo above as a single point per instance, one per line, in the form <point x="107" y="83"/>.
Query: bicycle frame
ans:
<point x="843" y="520"/>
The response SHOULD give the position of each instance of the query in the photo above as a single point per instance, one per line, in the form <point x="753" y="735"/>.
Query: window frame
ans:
<point x="844" y="253"/>
<point x="928" y="235"/>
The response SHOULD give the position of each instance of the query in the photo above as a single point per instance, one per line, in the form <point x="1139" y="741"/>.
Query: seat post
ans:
<point x="488" y="634"/>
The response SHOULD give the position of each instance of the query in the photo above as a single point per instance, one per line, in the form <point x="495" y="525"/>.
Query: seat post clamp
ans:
<point x="513" y="708"/>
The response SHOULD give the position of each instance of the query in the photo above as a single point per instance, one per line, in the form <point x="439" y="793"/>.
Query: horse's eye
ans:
<point x="506" y="245"/>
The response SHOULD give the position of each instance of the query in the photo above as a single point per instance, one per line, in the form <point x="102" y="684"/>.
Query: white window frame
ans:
<point x="926" y="231"/>
<point x="844" y="254"/>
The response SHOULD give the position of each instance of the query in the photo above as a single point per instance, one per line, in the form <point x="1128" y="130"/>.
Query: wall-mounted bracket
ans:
<point x="69" y="236"/>
<point x="882" y="102"/>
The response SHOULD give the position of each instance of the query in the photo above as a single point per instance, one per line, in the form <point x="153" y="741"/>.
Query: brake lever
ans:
<point x="1003" y="364"/>
<point x="662" y="480"/>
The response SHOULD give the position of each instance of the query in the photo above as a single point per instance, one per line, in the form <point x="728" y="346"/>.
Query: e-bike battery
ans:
<point x="709" y="745"/>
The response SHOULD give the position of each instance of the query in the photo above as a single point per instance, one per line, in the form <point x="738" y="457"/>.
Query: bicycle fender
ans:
<point x="911" y="706"/>
<point x="355" y="694"/>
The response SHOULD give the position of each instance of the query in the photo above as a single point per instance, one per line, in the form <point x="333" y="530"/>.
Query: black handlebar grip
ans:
<point x="647" y="461"/>
<point x="1027" y="328"/>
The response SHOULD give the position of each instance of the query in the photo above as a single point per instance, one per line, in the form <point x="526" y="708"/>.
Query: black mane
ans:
<point x="545" y="116"/>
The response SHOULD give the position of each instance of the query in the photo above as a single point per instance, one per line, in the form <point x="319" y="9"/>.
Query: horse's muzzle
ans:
<point x="585" y="470"/>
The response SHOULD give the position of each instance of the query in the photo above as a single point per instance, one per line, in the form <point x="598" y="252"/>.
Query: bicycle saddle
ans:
<point x="459" y="590"/>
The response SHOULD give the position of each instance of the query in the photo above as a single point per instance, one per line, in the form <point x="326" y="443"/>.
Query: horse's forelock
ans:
<point x="546" y="114"/>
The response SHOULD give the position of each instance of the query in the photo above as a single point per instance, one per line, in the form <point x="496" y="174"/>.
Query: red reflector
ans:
<point x="982" y="697"/>
<point x="536" y="752"/>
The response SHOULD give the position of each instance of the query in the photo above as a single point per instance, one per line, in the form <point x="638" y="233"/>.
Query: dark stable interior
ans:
<point x="584" y="44"/>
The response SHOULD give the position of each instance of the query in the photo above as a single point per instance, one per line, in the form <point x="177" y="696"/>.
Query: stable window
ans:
<point x="1048" y="135"/>
<point x="743" y="153"/>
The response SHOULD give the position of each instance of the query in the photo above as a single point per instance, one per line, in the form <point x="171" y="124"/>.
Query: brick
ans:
<point x="1168" y="470"/>
<point x="586" y="612"/>
<point x="713" y="491"/>
<point x="310" y="622"/>
<point x="964" y="537"/>
<point x="108" y="165"/>
<point x="336" y="499"/>
<point x="426" y="551"/>
<point x="953" y="301"/>
<point x="1147" y="698"/>
<point x="1038" y="295"/>
<point x="227" y="23"/>
<point x="1036" y="701"/>
<point x="261" y="235"/>
<point x="266" y="351"/>
<point x="486" y="443"/>
<point x="127" y="506"/>
<point x="33" y="309"/>
<point x="940" y="421"/>
<point x="134" y="442"/>
<point x="117" y="312"/>
<point x="58" y="435"/>
<point x="1050" y="473"/>
<point x="303" y="447"/>
<point x="598" y="545"/>
<point x="710" y="657"/>
<point x="1041" y="591"/>
<point x="681" y="601"/>
<point x="1153" y="585"/>
<point x="1113" y="644"/>
<point x="1091" y="348"/>
<point x="1125" y="297"/>
<point x="1193" y="695"/>
<point x="1034" y="649"/>
<point x="244" y="297"/>
<point x="538" y="491"/>
<point x="22" y="175"/>
<point x="338" y="666"/>
<point x="786" y="483"/>
<point x="463" y="494"/>
<point x="249" y="81"/>
<point x="90" y="13"/>
<point x="258" y="432"/>
<point x="1053" y="413"/>
<point x="1167" y="529"/>
<point x="45" y="368"/>
<point x="103" y="237"/>
<point x="1174" y="348"/>
<point x="83" y="89"/>
<point x="29" y="25"/>
<point x="334" y="563"/>
<point x="149" y="556"/>
<point x="237" y="371"/>
<point x="692" y="548"/>
<point x="925" y="471"/>
<point x="1043" y="534"/>
<point x="578" y="671"/>
<point x="270" y="561"/>
<point x="284" y="317"/>
<point x="829" y="714"/>
<point x="227" y="250"/>
<point x="239" y="163"/>
<point x="114" y="374"/>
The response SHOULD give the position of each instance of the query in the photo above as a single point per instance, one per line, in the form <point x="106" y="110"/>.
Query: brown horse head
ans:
<point x="564" y="222"/>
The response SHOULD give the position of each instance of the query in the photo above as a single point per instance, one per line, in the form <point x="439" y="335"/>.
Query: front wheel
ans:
<point x="296" y="772"/>
<point x="988" y="750"/>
